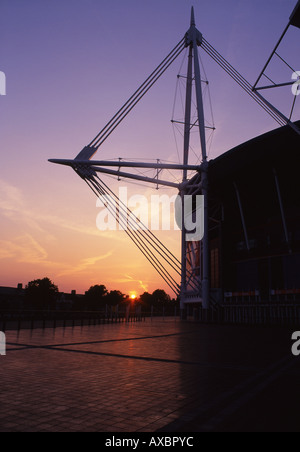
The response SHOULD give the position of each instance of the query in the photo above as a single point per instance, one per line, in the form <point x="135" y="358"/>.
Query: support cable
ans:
<point x="293" y="107"/>
<point x="125" y="218"/>
<point x="243" y="83"/>
<point x="150" y="235"/>
<point x="159" y="247"/>
<point x="132" y="105"/>
<point x="129" y="217"/>
<point x="137" y="96"/>
<point x="285" y="62"/>
<point x="240" y="81"/>
<point x="122" y="220"/>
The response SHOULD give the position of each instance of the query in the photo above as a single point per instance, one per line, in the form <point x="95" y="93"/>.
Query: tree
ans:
<point x="147" y="299"/>
<point x="115" y="297"/>
<point x="95" y="297"/>
<point x="41" y="294"/>
<point x="160" y="296"/>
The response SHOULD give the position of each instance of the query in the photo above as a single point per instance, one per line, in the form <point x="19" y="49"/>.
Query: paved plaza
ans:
<point x="166" y="376"/>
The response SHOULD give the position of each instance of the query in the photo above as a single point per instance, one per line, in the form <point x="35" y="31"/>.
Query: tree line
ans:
<point x="44" y="294"/>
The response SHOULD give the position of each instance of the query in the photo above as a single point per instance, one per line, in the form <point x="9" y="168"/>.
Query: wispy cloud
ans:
<point x="144" y="286"/>
<point x="14" y="205"/>
<point x="40" y="229"/>
<point x="11" y="198"/>
<point x="24" y="249"/>
<point x="85" y="264"/>
<point x="33" y="247"/>
<point x="130" y="279"/>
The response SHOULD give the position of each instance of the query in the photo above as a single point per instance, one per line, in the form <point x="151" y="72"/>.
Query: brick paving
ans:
<point x="167" y="376"/>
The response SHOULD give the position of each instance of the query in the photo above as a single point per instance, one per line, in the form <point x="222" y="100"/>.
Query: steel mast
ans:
<point x="193" y="41"/>
<point x="193" y="287"/>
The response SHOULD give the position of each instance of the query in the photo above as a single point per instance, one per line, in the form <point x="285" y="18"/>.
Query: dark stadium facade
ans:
<point x="255" y="220"/>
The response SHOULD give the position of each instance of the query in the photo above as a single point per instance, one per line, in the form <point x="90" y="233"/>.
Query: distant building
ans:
<point x="67" y="301"/>
<point x="12" y="298"/>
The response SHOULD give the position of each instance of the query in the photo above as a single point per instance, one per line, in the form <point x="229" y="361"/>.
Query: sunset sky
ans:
<point x="70" y="65"/>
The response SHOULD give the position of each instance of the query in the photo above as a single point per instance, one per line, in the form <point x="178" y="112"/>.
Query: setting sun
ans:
<point x="133" y="296"/>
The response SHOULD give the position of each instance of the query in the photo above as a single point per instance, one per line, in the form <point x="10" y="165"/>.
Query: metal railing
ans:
<point x="33" y="319"/>
<point x="250" y="314"/>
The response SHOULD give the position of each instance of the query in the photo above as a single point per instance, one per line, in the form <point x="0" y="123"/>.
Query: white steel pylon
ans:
<point x="195" y="259"/>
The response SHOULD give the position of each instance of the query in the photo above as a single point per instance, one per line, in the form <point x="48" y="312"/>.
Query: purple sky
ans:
<point x="70" y="64"/>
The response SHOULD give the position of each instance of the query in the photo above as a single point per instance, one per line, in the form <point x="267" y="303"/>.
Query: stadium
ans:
<point x="249" y="252"/>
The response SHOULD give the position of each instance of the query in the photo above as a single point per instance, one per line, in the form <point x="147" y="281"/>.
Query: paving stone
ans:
<point x="160" y="375"/>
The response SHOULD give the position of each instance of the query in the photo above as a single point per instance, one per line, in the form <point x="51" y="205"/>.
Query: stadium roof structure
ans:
<point x="270" y="147"/>
<point x="152" y="248"/>
<point x="295" y="17"/>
